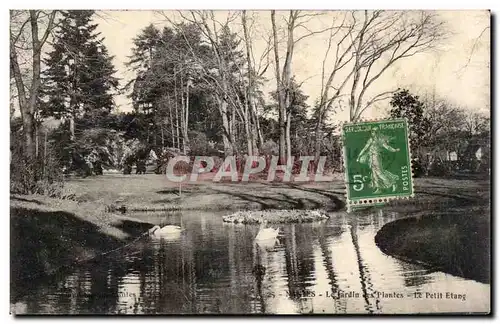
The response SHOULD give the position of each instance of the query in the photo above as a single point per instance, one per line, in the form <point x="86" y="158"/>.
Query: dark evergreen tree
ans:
<point x="79" y="79"/>
<point x="406" y="105"/>
<point x="163" y="64"/>
<point x="144" y="86"/>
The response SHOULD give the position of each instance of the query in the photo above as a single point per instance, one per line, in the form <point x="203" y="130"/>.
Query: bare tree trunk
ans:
<point x="288" y="139"/>
<point x="258" y="141"/>
<point x="29" y="135"/>
<point x="280" y="91"/>
<point x="27" y="103"/>
<point x="45" y="153"/>
<point x="248" y="133"/>
<point x="177" y="116"/>
<point x="318" y="136"/>
<point x="72" y="128"/>
<point x="155" y="128"/>
<point x="26" y="114"/>
<point x="287" y="76"/>
<point x="257" y="127"/>
<point x="228" y="147"/>
<point x="232" y="123"/>
<point x="36" y="141"/>
<point x="186" y="121"/>
<point x="162" y="137"/>
<point x="253" y="150"/>
<point x="283" y="81"/>
<point x="171" y="121"/>
<point x="352" y="99"/>
<point x="182" y="113"/>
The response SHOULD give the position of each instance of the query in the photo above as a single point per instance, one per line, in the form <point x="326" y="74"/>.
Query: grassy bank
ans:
<point x="48" y="235"/>
<point x="455" y="241"/>
<point x="153" y="192"/>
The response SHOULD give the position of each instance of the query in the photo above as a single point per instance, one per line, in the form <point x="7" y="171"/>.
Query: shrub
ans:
<point x="270" y="148"/>
<point x="440" y="168"/>
<point x="40" y="175"/>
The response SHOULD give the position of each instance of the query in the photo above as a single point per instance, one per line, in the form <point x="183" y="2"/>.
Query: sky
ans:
<point x="458" y="70"/>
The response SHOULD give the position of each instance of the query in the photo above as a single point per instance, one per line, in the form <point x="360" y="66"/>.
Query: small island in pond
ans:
<point x="275" y="216"/>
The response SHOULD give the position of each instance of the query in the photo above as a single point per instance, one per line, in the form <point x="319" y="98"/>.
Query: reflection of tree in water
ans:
<point x="339" y="304"/>
<point x="72" y="296"/>
<point x="92" y="288"/>
<point x="265" y="270"/>
<point x="103" y="294"/>
<point x="271" y="279"/>
<point x="160" y="270"/>
<point x="211" y="265"/>
<point x="69" y="298"/>
<point x="95" y="287"/>
<point x="129" y="294"/>
<point x="241" y="279"/>
<point x="299" y="264"/>
<point x="173" y="272"/>
<point x="148" y="277"/>
<point x="364" y="273"/>
<point x="259" y="271"/>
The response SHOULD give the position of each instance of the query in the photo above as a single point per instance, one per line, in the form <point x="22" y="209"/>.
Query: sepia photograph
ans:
<point x="272" y="162"/>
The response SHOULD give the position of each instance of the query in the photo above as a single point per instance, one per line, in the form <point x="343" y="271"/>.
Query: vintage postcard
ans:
<point x="250" y="162"/>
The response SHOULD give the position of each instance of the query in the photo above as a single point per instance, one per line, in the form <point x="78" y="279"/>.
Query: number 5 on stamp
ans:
<point x="377" y="161"/>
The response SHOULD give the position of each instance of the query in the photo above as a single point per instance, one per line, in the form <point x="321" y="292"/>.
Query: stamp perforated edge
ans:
<point x="361" y="203"/>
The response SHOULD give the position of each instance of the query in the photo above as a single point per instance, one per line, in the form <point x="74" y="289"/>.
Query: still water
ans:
<point x="212" y="267"/>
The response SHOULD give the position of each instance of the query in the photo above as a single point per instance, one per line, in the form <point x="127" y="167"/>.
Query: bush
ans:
<point x="199" y="145"/>
<point x="441" y="168"/>
<point x="40" y="175"/>
<point x="270" y="148"/>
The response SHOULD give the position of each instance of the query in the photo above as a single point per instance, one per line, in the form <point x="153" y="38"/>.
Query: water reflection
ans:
<point x="211" y="267"/>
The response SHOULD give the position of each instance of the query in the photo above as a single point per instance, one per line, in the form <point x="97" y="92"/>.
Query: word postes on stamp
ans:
<point x="377" y="161"/>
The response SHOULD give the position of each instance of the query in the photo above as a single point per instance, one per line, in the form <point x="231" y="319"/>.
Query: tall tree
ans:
<point x="255" y="72"/>
<point x="147" y="83"/>
<point x="80" y="73"/>
<point x="221" y="68"/>
<point x="281" y="85"/>
<point x="386" y="38"/>
<point x="363" y="46"/>
<point x="166" y="80"/>
<point x="27" y="39"/>
<point x="283" y="72"/>
<point x="298" y="116"/>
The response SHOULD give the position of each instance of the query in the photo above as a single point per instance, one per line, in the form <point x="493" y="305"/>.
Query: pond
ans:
<point x="213" y="267"/>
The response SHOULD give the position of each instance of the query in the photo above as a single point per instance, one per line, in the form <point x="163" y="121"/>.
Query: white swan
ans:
<point x="267" y="233"/>
<point x="168" y="232"/>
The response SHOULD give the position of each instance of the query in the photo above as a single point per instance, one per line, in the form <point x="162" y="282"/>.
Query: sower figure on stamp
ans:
<point x="371" y="154"/>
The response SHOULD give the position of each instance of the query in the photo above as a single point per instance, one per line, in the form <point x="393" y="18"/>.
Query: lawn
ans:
<point x="153" y="191"/>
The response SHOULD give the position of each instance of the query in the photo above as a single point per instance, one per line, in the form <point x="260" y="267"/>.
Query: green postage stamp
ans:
<point x="377" y="161"/>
